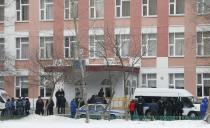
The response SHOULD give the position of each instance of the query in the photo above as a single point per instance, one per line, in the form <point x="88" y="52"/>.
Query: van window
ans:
<point x="1" y="100"/>
<point x="187" y="102"/>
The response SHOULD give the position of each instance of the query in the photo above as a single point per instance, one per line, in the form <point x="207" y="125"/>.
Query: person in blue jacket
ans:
<point x="203" y="107"/>
<point x="73" y="107"/>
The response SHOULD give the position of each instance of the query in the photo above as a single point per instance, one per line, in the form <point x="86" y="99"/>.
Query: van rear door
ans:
<point x="2" y="103"/>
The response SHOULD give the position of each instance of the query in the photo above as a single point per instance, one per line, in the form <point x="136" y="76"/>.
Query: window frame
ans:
<point x="71" y="42"/>
<point x="173" y="85"/>
<point x="120" y="46"/>
<point x="174" y="6"/>
<point x="95" y="46"/>
<point x="20" y="48"/>
<point x="147" y="7"/>
<point x="146" y="45"/>
<point x="42" y="86"/>
<point x="145" y="85"/>
<point x="203" y="7"/>
<point x="174" y="45"/>
<point x="3" y="12"/>
<point x="202" y="44"/>
<point x="21" y="11"/>
<point x="120" y="6"/>
<point x="19" y="86"/>
<point x="69" y="8"/>
<point x="2" y="44"/>
<point x="94" y="8"/>
<point x="44" y="48"/>
<point x="2" y="82"/>
<point x="201" y="84"/>
<point x="45" y="11"/>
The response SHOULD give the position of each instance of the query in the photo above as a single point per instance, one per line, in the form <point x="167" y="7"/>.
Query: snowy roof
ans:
<point x="162" y="92"/>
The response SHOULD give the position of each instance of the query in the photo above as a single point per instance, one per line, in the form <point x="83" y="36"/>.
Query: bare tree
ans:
<point x="116" y="45"/>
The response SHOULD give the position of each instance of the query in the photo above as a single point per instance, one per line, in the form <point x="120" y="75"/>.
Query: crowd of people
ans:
<point x="49" y="104"/>
<point x="60" y="101"/>
<point x="19" y="107"/>
<point x="164" y="107"/>
<point x="98" y="98"/>
<point x="157" y="107"/>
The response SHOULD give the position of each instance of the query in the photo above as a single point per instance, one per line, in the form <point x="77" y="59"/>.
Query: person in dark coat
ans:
<point x="13" y="105"/>
<point x="101" y="93"/>
<point x="161" y="107"/>
<point x="132" y="109"/>
<point x="57" y="96"/>
<point x="39" y="106"/>
<point x="62" y="104"/>
<point x="27" y="106"/>
<point x="24" y="105"/>
<point x="19" y="106"/>
<point x="73" y="107"/>
<point x="203" y="107"/>
<point x="168" y="107"/>
<point x="154" y="108"/>
<point x="139" y="106"/>
<point x="179" y="107"/>
<point x="49" y="106"/>
<point x="8" y="107"/>
<point x="62" y="92"/>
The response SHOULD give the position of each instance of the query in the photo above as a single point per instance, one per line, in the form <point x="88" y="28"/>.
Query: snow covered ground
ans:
<point x="36" y="121"/>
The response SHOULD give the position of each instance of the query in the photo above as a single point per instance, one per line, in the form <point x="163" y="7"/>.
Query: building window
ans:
<point x="203" y="43"/>
<point x="106" y="83"/>
<point x="203" y="7"/>
<point x="96" y="46"/>
<point x="1" y="82"/>
<point x="46" y="47"/>
<point x="45" y="89"/>
<point x="122" y="8"/>
<point x="127" y="87"/>
<point x="176" y="44"/>
<point x="149" y="7"/>
<point x="1" y="10"/>
<point x="203" y="84"/>
<point x="2" y="49"/>
<point x="149" y="80"/>
<point x="70" y="46"/>
<point x="149" y="45"/>
<point x="70" y="9"/>
<point x="96" y="8"/>
<point x="46" y="9"/>
<point x="77" y="92"/>
<point x="122" y="45"/>
<point x="176" y="7"/>
<point x="22" y="10"/>
<point x="21" y="86"/>
<point x="22" y="48"/>
<point x="133" y="87"/>
<point x="176" y="80"/>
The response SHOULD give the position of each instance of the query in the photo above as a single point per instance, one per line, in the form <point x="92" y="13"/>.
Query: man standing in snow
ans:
<point x="62" y="104"/>
<point x="39" y="106"/>
<point x="132" y="108"/>
<point x="203" y="107"/>
<point x="73" y="107"/>
<point x="139" y="106"/>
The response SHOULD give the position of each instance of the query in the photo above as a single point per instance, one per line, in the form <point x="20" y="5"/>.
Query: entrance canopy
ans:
<point x="93" y="68"/>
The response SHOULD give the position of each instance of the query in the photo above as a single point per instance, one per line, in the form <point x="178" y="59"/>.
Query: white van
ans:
<point x="3" y="98"/>
<point x="189" y="108"/>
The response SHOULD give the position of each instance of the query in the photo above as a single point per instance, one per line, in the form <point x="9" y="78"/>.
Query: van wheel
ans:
<point x="192" y="114"/>
<point x="112" y="116"/>
<point x="149" y="113"/>
<point x="83" y="116"/>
